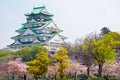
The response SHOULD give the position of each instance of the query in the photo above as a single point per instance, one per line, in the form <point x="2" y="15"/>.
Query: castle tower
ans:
<point x="38" y="30"/>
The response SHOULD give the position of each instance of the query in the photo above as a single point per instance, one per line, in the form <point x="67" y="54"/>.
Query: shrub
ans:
<point x="68" y="79"/>
<point x="113" y="79"/>
<point x="97" y="79"/>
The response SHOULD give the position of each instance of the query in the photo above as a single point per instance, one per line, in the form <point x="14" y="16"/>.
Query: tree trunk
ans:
<point x="100" y="70"/>
<point x="36" y="77"/>
<point x="75" y="75"/>
<point x="61" y="74"/>
<point x="55" y="77"/>
<point x="88" y="72"/>
<point x="61" y="71"/>
<point x="25" y="77"/>
<point x="13" y="77"/>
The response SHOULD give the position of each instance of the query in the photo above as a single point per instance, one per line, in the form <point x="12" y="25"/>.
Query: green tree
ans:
<point x="37" y="49"/>
<point x="3" y="53"/>
<point x="39" y="66"/>
<point x="6" y="55"/>
<point x="104" y="50"/>
<point x="105" y="30"/>
<point x="24" y="53"/>
<point x="62" y="61"/>
<point x="29" y="53"/>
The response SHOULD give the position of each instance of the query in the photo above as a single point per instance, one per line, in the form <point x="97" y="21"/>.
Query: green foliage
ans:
<point x="3" y="79"/>
<point x="39" y="66"/>
<point x="6" y="55"/>
<point x="29" y="53"/>
<point x="72" y="48"/>
<point x="112" y="39"/>
<point x="3" y="53"/>
<point x="24" y="53"/>
<point x="62" y="61"/>
<point x="34" y="79"/>
<point x="97" y="79"/>
<point x="103" y="52"/>
<point x="67" y="79"/>
<point x="84" y="47"/>
<point x="104" y="49"/>
<point x="7" y="58"/>
<point x="105" y="30"/>
<point x="36" y="49"/>
<point x="60" y="79"/>
<point x="113" y="79"/>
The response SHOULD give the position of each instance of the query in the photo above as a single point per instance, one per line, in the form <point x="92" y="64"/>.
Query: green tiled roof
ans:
<point x="37" y="10"/>
<point x="13" y="44"/>
<point x="21" y="44"/>
<point x="34" y="35"/>
<point x="21" y="29"/>
<point x="63" y="37"/>
<point x="46" y="13"/>
<point x="25" y="24"/>
<point x="50" y="38"/>
<point x="46" y="24"/>
<point x="24" y="27"/>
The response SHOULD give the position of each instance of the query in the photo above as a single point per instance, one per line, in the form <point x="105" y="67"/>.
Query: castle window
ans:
<point x="51" y="42"/>
<point x="39" y="31"/>
<point x="40" y="24"/>
<point x="47" y="31"/>
<point x="43" y="31"/>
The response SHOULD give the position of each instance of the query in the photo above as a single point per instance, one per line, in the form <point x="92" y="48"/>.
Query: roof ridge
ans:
<point x="39" y="7"/>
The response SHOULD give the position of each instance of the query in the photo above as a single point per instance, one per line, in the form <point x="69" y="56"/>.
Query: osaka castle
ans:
<point x="39" y="29"/>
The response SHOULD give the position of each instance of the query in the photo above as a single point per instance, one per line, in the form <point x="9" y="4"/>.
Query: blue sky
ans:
<point x="76" y="18"/>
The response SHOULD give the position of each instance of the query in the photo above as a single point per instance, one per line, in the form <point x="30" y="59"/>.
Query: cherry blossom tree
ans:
<point x="17" y="68"/>
<point x="3" y="70"/>
<point x="112" y="70"/>
<point x="53" y="71"/>
<point x="75" y="68"/>
<point x="109" y="70"/>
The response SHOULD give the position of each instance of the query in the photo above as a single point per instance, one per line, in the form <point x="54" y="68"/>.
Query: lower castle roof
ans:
<point x="32" y="42"/>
